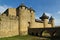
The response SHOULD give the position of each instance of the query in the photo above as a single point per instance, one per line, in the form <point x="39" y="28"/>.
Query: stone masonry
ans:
<point x="17" y="21"/>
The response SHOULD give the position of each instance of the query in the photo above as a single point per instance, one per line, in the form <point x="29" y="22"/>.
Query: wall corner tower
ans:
<point x="32" y="18"/>
<point x="51" y="20"/>
<point x="22" y="14"/>
<point x="44" y="18"/>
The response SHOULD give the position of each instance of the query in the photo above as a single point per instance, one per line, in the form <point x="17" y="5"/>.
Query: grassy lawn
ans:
<point x="21" y="38"/>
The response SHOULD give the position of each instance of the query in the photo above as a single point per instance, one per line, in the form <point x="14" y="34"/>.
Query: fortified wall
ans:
<point x="8" y="26"/>
<point x="17" y="21"/>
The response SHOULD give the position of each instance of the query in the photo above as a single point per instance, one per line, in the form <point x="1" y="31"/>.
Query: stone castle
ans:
<point x="17" y="21"/>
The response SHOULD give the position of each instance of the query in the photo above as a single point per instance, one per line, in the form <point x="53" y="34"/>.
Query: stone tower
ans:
<point x="26" y="19"/>
<point x="44" y="18"/>
<point x="24" y="15"/>
<point x="51" y="20"/>
<point x="32" y="18"/>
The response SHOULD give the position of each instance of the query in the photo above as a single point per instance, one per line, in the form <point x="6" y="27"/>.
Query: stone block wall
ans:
<point x="16" y="21"/>
<point x="8" y="26"/>
<point x="38" y="25"/>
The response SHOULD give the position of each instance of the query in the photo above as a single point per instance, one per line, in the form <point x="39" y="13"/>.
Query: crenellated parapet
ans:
<point x="22" y="6"/>
<point x="18" y="20"/>
<point x="10" y="11"/>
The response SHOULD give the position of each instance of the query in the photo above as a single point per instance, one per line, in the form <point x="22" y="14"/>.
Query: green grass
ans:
<point x="21" y="38"/>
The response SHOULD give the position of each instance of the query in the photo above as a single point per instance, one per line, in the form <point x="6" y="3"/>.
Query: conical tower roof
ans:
<point x="44" y="16"/>
<point x="51" y="18"/>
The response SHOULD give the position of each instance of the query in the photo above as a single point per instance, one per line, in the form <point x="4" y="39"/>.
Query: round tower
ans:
<point x="44" y="18"/>
<point x="22" y="14"/>
<point x="32" y="18"/>
<point x="51" y="20"/>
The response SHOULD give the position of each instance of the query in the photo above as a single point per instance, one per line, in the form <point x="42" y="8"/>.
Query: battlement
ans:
<point x="16" y="21"/>
<point x="14" y="11"/>
<point x="10" y="11"/>
<point x="22" y="6"/>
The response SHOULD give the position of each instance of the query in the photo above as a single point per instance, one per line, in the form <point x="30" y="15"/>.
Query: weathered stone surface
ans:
<point x="16" y="21"/>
